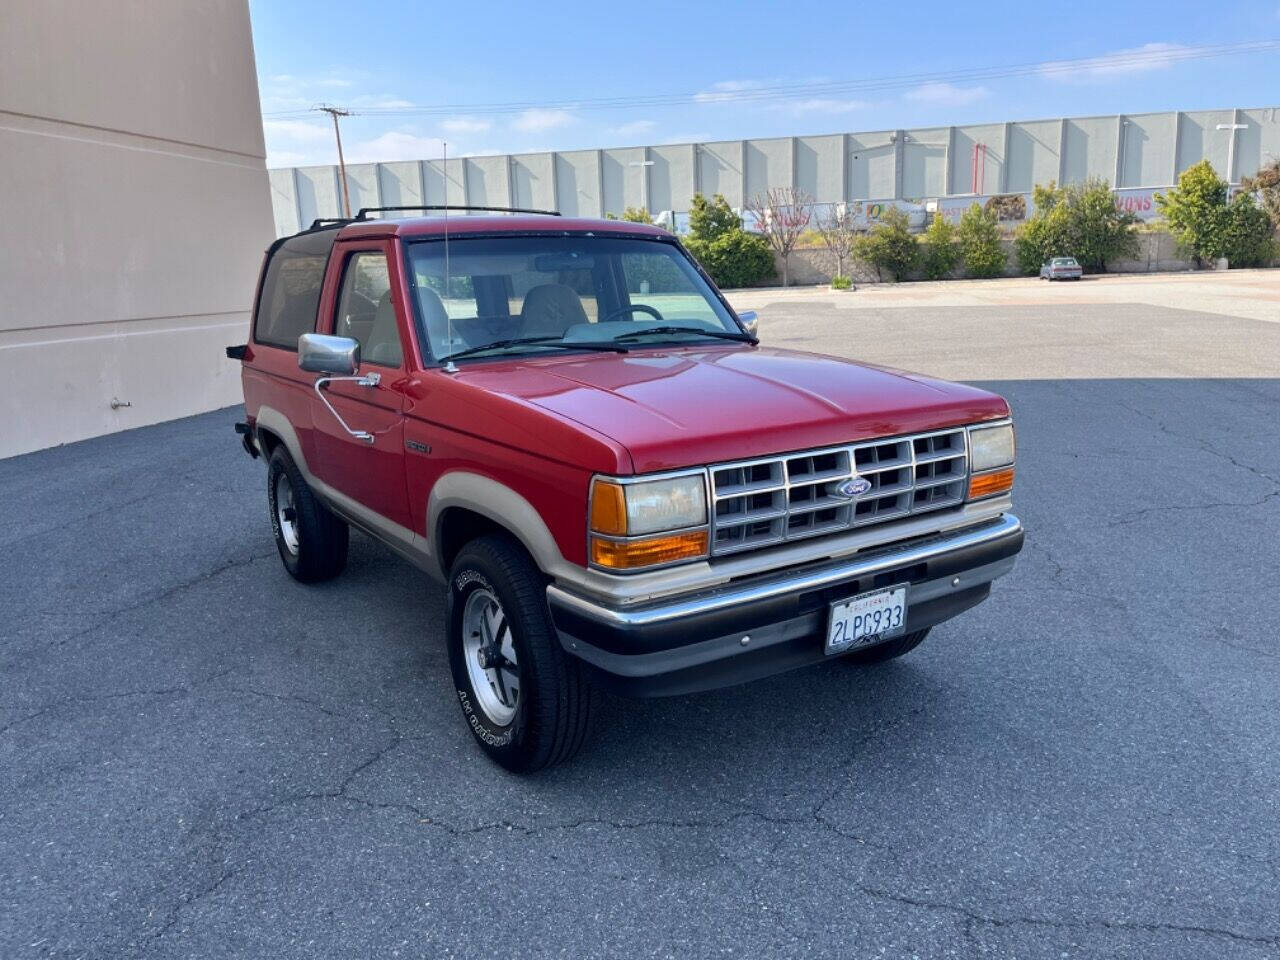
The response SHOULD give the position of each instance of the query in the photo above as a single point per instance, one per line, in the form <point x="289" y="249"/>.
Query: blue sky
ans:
<point x="719" y="65"/>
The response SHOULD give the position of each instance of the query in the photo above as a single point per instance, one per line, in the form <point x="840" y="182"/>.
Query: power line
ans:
<point x="1130" y="60"/>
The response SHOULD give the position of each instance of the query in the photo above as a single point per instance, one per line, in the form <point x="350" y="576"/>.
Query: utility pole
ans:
<point x="337" y="112"/>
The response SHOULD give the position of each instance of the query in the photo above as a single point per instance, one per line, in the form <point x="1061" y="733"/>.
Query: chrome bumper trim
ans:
<point x="1006" y="525"/>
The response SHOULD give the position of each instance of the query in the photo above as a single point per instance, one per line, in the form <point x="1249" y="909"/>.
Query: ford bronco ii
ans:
<point x="567" y="424"/>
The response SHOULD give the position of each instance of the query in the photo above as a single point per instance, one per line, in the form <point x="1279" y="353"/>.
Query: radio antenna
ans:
<point x="449" y="366"/>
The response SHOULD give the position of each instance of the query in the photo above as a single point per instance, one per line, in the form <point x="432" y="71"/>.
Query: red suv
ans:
<point x="566" y="423"/>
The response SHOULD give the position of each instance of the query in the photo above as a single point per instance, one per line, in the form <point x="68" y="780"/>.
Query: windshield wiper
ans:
<point x="720" y="334"/>
<point x="532" y="341"/>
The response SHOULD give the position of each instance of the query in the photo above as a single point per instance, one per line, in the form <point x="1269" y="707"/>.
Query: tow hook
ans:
<point x="245" y="429"/>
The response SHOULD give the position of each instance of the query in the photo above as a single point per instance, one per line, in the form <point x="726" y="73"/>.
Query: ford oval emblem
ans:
<point x="852" y="488"/>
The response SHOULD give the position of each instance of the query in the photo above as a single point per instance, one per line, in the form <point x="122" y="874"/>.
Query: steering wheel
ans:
<point x="631" y="308"/>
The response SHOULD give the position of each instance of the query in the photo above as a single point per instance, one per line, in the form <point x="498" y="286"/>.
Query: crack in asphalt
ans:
<point x="110" y="616"/>
<point x="1200" y="442"/>
<point x="120" y="695"/>
<point x="973" y="916"/>
<point x="172" y="920"/>
<point x="1137" y="515"/>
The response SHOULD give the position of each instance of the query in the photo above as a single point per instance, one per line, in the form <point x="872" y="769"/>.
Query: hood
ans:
<point x="678" y="407"/>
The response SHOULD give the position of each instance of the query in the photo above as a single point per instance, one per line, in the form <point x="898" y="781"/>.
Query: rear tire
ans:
<point x="889" y="650"/>
<point x="528" y="703"/>
<point x="311" y="539"/>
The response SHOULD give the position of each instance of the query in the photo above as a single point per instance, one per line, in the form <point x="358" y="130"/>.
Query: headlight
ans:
<point x="626" y="516"/>
<point x="991" y="457"/>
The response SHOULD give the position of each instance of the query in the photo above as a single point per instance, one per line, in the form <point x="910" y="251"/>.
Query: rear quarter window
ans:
<point x="290" y="296"/>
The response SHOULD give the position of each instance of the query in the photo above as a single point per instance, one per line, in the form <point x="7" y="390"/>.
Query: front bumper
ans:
<point x="775" y="622"/>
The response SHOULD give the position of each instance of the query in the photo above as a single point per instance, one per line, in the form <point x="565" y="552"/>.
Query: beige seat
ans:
<point x="383" y="343"/>
<point x="550" y="310"/>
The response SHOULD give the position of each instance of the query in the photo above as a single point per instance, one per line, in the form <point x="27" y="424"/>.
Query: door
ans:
<point x="362" y="306"/>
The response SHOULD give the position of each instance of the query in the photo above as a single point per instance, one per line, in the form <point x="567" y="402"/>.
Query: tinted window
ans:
<point x="291" y="289"/>
<point x="365" y="310"/>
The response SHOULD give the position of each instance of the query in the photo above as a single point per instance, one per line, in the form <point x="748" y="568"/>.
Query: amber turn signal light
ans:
<point x="632" y="554"/>
<point x="989" y="484"/>
<point x="608" y="508"/>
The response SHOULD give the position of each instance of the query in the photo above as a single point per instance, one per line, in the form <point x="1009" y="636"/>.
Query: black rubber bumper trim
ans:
<point x="804" y="648"/>
<point x="744" y="618"/>
<point x="247" y="438"/>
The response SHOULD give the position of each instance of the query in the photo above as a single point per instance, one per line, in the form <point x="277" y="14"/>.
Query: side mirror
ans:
<point x="320" y="353"/>
<point x="750" y="320"/>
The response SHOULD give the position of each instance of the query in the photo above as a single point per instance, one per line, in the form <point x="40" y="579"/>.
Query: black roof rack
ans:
<point x="448" y="206"/>
<point x="319" y="223"/>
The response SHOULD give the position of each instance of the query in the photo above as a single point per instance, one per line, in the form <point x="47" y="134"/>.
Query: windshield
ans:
<point x="1064" y="261"/>
<point x="583" y="289"/>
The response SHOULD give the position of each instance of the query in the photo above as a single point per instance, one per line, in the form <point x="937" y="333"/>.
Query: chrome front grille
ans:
<point x="757" y="503"/>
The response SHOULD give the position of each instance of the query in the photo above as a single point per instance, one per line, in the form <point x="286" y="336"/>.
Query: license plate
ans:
<point x="866" y="619"/>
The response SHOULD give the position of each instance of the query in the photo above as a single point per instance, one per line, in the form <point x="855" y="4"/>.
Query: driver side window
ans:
<point x="658" y="282"/>
<point x="366" y="312"/>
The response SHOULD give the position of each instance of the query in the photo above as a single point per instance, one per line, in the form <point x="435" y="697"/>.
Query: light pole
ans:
<point x="1231" y="149"/>
<point x="644" y="182"/>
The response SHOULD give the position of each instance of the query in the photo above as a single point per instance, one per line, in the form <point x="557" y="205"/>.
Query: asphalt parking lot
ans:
<point x="201" y="758"/>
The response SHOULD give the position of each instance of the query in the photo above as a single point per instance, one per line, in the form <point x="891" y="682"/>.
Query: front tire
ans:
<point x="311" y="539"/>
<point x="528" y="703"/>
<point x="889" y="650"/>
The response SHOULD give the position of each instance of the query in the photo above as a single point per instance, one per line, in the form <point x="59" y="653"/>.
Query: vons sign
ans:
<point x="1140" y="201"/>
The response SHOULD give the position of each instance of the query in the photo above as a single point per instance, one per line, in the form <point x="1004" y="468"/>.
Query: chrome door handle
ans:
<point x="368" y="380"/>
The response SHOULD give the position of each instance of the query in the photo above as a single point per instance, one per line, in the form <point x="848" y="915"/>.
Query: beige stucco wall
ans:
<point x="134" y="209"/>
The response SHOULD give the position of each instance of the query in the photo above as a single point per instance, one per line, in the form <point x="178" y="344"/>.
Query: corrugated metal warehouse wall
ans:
<point x="1130" y="151"/>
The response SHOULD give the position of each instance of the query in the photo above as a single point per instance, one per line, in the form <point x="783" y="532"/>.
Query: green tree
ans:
<point x="1266" y="183"/>
<point x="978" y="238"/>
<point x="733" y="257"/>
<point x="1250" y="234"/>
<point x="1196" y="212"/>
<point x="889" y="247"/>
<point x="940" y="255"/>
<point x="709" y="219"/>
<point x="1078" y="220"/>
<point x="1209" y="225"/>
<point x="637" y="215"/>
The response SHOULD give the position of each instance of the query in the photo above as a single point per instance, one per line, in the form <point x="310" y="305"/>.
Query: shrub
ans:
<point x="1266" y="183"/>
<point x="637" y="215"/>
<point x="978" y="238"/>
<point x="735" y="258"/>
<point x="1210" y="226"/>
<point x="709" y="219"/>
<point x="841" y="283"/>
<point x="1079" y="220"/>
<point x="1196" y="212"/>
<point x="889" y="247"/>
<point x="940" y="255"/>
<point x="1249" y="234"/>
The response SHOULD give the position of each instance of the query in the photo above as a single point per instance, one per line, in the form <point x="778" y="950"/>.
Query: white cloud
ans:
<point x="287" y="158"/>
<point x="822" y="105"/>
<point x="947" y="94"/>
<point x="726" y="91"/>
<point x="537" y="120"/>
<point x="395" y="145"/>
<point x="1148" y="57"/>
<point x="381" y="101"/>
<point x="298" y="131"/>
<point x="634" y="129"/>
<point x="466" y="125"/>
